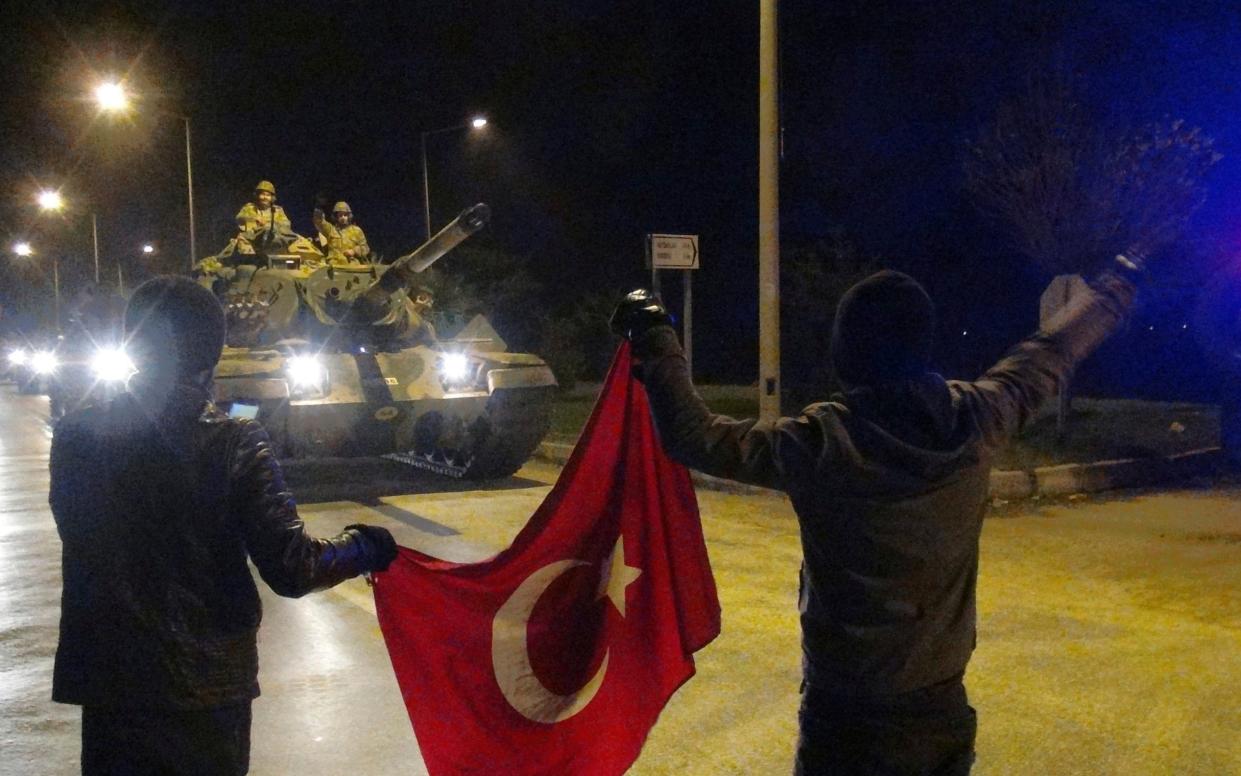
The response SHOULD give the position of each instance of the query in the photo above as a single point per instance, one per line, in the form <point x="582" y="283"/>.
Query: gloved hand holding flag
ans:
<point x="557" y="655"/>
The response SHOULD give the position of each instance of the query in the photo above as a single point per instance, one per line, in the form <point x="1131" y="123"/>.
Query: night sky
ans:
<point x="607" y="121"/>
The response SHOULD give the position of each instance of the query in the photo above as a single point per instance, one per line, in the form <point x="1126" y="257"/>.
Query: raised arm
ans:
<point x="1010" y="393"/>
<point x="321" y="224"/>
<point x="746" y="450"/>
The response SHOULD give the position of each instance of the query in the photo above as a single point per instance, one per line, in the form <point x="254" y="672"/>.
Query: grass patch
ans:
<point x="1110" y="429"/>
<point x="1101" y="429"/>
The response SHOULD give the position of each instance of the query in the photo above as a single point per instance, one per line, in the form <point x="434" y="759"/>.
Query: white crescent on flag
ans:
<point x="510" y="652"/>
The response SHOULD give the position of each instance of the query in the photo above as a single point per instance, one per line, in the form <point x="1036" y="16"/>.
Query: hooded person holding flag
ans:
<point x="160" y="499"/>
<point x="889" y="481"/>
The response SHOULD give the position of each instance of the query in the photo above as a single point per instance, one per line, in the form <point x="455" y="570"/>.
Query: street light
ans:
<point x="148" y="248"/>
<point x="51" y="201"/>
<point x="25" y="250"/>
<point x="111" y="98"/>
<point x="478" y="122"/>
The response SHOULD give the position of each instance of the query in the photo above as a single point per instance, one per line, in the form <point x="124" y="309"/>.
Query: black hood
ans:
<point x="883" y="331"/>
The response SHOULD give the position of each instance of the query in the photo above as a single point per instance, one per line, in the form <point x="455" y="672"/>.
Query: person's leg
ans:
<point x="928" y="732"/>
<point x="211" y="742"/>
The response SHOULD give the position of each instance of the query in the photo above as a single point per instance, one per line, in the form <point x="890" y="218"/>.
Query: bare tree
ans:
<point x="1073" y="190"/>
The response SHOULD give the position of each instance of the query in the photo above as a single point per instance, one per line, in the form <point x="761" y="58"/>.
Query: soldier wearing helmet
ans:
<point x="262" y="221"/>
<point x="419" y="304"/>
<point x="344" y="239"/>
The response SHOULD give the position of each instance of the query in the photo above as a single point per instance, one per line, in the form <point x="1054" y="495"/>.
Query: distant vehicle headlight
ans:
<point x="111" y="364"/>
<point x="44" y="362"/>
<point x="18" y="357"/>
<point x="306" y="372"/>
<point x="454" y="368"/>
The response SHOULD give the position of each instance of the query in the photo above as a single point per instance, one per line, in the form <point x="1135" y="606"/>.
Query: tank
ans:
<point x="341" y="359"/>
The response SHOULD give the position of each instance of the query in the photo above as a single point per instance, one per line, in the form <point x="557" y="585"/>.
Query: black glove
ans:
<point x="639" y="312"/>
<point x="377" y="546"/>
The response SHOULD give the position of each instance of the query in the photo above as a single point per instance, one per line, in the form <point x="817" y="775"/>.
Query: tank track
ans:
<point x="500" y="441"/>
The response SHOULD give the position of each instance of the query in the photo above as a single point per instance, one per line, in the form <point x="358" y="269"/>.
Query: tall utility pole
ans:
<point x="426" y="185"/>
<point x="768" y="215"/>
<point x="189" y="193"/>
<point x="94" y="236"/>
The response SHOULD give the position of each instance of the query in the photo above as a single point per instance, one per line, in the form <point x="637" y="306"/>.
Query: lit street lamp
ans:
<point x="51" y="201"/>
<point x="148" y="248"/>
<point x="24" y="250"/>
<point x="111" y="98"/>
<point x="478" y="122"/>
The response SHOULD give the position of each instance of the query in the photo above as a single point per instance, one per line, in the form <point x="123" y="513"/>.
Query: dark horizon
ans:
<point x="605" y="124"/>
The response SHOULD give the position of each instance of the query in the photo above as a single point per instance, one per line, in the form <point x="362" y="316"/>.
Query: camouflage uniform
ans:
<point x="340" y="239"/>
<point x="251" y="222"/>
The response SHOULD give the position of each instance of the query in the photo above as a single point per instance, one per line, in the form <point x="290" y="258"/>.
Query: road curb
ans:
<point x="559" y="452"/>
<point x="1044" y="481"/>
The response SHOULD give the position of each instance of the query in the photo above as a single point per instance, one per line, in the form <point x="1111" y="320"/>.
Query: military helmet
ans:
<point x="342" y="207"/>
<point x="266" y="186"/>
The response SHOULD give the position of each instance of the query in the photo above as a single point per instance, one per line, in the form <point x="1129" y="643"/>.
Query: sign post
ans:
<point x="1063" y="291"/>
<point x="676" y="251"/>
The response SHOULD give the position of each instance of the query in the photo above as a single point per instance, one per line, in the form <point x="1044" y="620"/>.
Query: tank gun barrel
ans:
<point x="466" y="223"/>
<point x="372" y="304"/>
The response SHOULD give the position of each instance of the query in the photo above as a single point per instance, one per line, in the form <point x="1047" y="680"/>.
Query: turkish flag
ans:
<point x="557" y="655"/>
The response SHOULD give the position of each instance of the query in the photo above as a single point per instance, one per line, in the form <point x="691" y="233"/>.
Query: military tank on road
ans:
<point x="340" y="359"/>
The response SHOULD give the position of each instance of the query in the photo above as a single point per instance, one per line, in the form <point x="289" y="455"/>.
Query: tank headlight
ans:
<point x="454" y="368"/>
<point x="111" y="365"/>
<point x="44" y="362"/>
<point x="17" y="357"/>
<point x="306" y="372"/>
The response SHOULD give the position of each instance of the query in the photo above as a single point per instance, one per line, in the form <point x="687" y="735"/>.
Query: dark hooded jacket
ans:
<point x="158" y="501"/>
<point x="889" y="482"/>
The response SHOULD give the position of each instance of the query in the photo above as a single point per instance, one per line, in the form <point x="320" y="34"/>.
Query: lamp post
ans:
<point x="478" y="122"/>
<point x="112" y="98"/>
<point x="51" y="201"/>
<point x="189" y="189"/>
<point x="24" y="250"/>
<point x="768" y="215"/>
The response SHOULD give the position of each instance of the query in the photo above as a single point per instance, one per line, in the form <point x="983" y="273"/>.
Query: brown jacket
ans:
<point x="889" y="484"/>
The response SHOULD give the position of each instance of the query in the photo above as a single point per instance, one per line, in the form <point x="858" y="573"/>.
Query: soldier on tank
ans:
<point x="344" y="239"/>
<point x="422" y="299"/>
<point x="262" y="221"/>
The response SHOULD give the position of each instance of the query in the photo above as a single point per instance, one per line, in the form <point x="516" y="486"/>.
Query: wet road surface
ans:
<point x="1109" y="629"/>
<point x="330" y="703"/>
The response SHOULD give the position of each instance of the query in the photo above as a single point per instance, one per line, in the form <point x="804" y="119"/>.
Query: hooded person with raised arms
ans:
<point x="889" y="480"/>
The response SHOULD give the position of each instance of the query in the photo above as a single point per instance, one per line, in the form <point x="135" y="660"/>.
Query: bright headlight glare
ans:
<point x="305" y="372"/>
<point x="44" y="362"/>
<point x="111" y="364"/>
<point x="17" y="357"/>
<point x="454" y="367"/>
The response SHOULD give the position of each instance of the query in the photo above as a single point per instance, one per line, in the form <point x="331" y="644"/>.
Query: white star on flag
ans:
<point x="617" y="576"/>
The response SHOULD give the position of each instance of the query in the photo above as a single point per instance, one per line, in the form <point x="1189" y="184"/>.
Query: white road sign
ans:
<point x="672" y="251"/>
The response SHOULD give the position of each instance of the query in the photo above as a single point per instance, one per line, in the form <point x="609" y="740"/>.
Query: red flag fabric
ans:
<point x="557" y="655"/>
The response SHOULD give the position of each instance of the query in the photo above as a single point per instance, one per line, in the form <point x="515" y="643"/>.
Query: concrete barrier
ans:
<point x="1062" y="480"/>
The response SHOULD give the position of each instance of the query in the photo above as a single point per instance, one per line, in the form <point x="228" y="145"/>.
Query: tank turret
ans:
<point x="338" y="358"/>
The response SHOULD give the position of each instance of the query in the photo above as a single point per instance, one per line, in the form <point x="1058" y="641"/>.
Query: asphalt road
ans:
<point x="1109" y="633"/>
